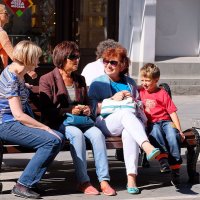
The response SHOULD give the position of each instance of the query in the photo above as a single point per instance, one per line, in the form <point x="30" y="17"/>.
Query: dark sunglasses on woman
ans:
<point x="73" y="56"/>
<point x="112" y="62"/>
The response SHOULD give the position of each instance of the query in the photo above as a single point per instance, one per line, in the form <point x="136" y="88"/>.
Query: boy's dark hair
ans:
<point x="106" y="44"/>
<point x="150" y="70"/>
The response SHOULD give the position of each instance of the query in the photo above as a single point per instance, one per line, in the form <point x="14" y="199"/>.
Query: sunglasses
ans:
<point x="73" y="56"/>
<point x="112" y="62"/>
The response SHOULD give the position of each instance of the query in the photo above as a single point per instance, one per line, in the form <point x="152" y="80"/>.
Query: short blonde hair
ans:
<point x="150" y="70"/>
<point x="27" y="53"/>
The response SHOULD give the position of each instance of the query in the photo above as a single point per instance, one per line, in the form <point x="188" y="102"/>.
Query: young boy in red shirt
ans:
<point x="163" y="124"/>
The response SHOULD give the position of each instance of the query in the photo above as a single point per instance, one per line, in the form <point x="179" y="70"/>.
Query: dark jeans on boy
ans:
<point x="166" y="137"/>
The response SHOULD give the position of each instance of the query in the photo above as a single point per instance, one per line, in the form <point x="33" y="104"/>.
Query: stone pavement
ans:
<point x="59" y="182"/>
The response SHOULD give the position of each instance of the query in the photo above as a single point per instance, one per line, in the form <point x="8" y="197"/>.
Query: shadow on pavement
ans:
<point x="60" y="178"/>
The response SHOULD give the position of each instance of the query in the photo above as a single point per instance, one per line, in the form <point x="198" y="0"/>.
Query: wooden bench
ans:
<point x="192" y="142"/>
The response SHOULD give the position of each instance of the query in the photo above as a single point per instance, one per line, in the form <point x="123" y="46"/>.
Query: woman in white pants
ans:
<point x="117" y="86"/>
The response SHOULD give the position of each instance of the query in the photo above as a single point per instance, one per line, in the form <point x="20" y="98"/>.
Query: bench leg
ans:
<point x="119" y="155"/>
<point x="192" y="156"/>
<point x="144" y="162"/>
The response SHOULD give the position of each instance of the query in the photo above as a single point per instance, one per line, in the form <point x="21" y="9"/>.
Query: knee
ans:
<point x="61" y="139"/>
<point x="97" y="136"/>
<point x="74" y="134"/>
<point x="57" y="142"/>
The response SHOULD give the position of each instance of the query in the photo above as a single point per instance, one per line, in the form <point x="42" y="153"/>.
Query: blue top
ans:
<point x="100" y="89"/>
<point x="119" y="86"/>
<point x="11" y="86"/>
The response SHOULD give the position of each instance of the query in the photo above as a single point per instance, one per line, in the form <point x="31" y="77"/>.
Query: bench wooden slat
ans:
<point x="111" y="143"/>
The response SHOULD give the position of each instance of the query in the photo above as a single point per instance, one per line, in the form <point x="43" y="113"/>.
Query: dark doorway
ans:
<point x="87" y="22"/>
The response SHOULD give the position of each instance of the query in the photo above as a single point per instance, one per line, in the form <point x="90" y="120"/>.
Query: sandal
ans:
<point x="133" y="190"/>
<point x="155" y="152"/>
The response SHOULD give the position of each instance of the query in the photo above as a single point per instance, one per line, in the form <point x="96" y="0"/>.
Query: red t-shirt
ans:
<point x="157" y="105"/>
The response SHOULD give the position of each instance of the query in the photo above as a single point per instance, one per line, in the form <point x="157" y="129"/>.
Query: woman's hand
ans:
<point x="76" y="110"/>
<point x="28" y="86"/>
<point x="86" y="110"/>
<point x="46" y="128"/>
<point x="81" y="109"/>
<point x="121" y="95"/>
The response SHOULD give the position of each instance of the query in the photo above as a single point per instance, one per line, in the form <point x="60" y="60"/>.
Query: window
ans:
<point x="92" y="23"/>
<point x="37" y="23"/>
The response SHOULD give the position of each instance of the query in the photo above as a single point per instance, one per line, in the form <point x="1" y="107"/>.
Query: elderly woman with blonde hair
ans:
<point x="19" y="128"/>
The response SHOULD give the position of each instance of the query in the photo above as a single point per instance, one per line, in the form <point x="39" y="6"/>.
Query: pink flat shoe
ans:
<point x="108" y="190"/>
<point x="88" y="189"/>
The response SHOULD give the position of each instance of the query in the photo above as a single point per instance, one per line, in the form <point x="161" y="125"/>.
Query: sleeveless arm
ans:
<point x="6" y="43"/>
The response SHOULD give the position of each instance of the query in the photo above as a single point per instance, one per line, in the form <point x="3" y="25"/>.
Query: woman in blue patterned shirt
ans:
<point x="19" y="128"/>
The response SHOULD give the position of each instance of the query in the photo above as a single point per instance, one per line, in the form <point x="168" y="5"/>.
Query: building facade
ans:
<point x="165" y="32"/>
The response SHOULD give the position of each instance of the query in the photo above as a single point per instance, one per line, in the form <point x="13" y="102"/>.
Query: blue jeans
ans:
<point x="165" y="136"/>
<point x="46" y="145"/>
<point x="78" y="152"/>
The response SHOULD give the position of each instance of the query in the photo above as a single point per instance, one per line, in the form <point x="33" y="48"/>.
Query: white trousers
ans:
<point x="124" y="123"/>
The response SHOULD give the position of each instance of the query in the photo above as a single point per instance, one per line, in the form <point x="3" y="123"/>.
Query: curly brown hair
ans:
<point x="119" y="52"/>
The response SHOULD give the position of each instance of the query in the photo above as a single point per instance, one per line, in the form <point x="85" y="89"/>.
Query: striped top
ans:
<point x="11" y="86"/>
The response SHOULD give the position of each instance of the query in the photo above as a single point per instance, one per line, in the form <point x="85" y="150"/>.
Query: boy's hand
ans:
<point x="182" y="136"/>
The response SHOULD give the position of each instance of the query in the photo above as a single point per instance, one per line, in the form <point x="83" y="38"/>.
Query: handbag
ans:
<point x="109" y="106"/>
<point x="80" y="121"/>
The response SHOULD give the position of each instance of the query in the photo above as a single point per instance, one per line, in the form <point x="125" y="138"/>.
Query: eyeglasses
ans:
<point x="73" y="56"/>
<point x="112" y="62"/>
